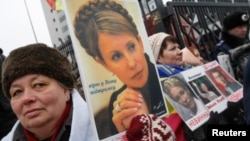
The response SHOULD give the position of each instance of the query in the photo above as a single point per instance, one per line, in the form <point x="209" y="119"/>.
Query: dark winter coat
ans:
<point x="246" y="91"/>
<point x="7" y="116"/>
<point x="238" y="50"/>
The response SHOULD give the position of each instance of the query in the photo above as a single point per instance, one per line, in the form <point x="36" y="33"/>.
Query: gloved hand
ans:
<point x="149" y="127"/>
<point x="214" y="118"/>
<point x="234" y="114"/>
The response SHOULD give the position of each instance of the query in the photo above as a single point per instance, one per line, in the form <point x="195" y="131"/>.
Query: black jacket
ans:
<point x="230" y="45"/>
<point x="7" y="116"/>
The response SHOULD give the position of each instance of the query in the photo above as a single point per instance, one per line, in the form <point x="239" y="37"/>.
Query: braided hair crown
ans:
<point x="90" y="21"/>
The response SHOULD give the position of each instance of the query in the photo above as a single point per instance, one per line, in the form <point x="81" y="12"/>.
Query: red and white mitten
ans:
<point x="149" y="128"/>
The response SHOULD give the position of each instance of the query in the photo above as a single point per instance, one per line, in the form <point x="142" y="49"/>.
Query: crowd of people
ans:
<point x="40" y="101"/>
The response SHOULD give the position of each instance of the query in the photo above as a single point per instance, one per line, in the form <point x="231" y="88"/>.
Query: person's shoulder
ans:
<point x="220" y="43"/>
<point x="221" y="48"/>
<point x="163" y="65"/>
<point x="164" y="70"/>
<point x="187" y="66"/>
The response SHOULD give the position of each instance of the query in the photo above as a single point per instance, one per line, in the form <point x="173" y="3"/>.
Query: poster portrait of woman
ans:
<point x="115" y="61"/>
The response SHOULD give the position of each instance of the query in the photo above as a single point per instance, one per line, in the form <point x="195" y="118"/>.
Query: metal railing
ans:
<point x="200" y="24"/>
<point x="67" y="49"/>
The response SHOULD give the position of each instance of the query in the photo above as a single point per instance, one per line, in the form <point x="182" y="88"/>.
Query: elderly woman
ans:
<point x="38" y="82"/>
<point x="168" y="54"/>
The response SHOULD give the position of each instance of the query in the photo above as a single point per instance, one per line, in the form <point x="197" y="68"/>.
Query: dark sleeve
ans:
<point x="216" y="51"/>
<point x="246" y="91"/>
<point x="220" y="49"/>
<point x="4" y="102"/>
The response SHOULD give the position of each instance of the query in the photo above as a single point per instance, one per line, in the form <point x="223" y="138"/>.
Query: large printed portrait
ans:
<point x="115" y="62"/>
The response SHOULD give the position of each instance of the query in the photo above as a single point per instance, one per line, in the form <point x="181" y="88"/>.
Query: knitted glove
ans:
<point x="149" y="128"/>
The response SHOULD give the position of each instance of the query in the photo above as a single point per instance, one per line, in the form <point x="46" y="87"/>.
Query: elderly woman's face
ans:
<point x="124" y="56"/>
<point x="172" y="55"/>
<point x="38" y="101"/>
<point x="182" y="96"/>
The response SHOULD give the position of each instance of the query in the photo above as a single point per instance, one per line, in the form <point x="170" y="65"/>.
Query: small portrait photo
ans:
<point x="223" y="81"/>
<point x="182" y="97"/>
<point x="204" y="89"/>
